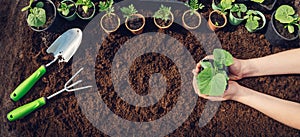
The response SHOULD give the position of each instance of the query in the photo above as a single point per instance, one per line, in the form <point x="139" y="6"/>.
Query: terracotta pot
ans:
<point x="164" y="27"/>
<point x="188" y="26"/>
<point x="212" y="26"/>
<point x="139" y="30"/>
<point x="106" y="29"/>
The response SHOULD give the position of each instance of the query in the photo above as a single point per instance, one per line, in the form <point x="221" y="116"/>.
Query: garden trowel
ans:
<point x="63" y="48"/>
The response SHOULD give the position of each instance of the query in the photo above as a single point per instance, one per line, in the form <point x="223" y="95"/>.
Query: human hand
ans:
<point x="235" y="70"/>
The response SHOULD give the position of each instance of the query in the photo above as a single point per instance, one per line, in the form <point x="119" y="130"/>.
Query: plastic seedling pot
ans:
<point x="263" y="25"/>
<point x="234" y="20"/>
<point x="135" y="30"/>
<point x="109" y="27"/>
<point x="166" y="26"/>
<point x="274" y="37"/>
<point x="47" y="3"/>
<point x="73" y="15"/>
<point x="186" y="23"/>
<point x="87" y="18"/>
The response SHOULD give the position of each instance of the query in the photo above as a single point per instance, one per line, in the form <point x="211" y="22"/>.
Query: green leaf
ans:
<point x="243" y="8"/>
<point x="225" y="4"/>
<point x="284" y="14"/>
<point x="223" y="57"/>
<point x="209" y="84"/>
<point x="251" y="24"/>
<point x="291" y="28"/>
<point x="27" y="7"/>
<point x="163" y="13"/>
<point x="258" y="1"/>
<point x="128" y="11"/>
<point x="40" y="4"/>
<point x="37" y="17"/>
<point x="205" y="64"/>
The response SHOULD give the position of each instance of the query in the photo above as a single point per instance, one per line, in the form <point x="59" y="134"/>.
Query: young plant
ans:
<point x="86" y="4"/>
<point x="212" y="80"/>
<point x="225" y="5"/>
<point x="128" y="11"/>
<point x="252" y="20"/>
<point x="194" y="6"/>
<point x="163" y="13"/>
<point x="64" y="8"/>
<point x="239" y="9"/>
<point x="27" y="7"/>
<point x="37" y="15"/>
<point x="106" y="6"/>
<point x="258" y="1"/>
<point x="285" y="14"/>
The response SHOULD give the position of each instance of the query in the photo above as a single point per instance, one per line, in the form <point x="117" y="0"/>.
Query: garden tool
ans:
<point x="63" y="48"/>
<point x="26" y="109"/>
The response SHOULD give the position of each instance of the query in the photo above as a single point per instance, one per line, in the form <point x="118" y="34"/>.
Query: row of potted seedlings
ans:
<point x="163" y="18"/>
<point x="42" y="13"/>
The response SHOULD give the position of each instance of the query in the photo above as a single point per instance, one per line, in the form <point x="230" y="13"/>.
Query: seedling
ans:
<point x="252" y="20"/>
<point x="239" y="9"/>
<point x="128" y="11"/>
<point x="163" y="13"/>
<point x="258" y="1"/>
<point x="194" y="6"/>
<point x="64" y="8"/>
<point x="86" y="4"/>
<point x="106" y="6"/>
<point x="212" y="80"/>
<point x="285" y="14"/>
<point x="225" y="5"/>
<point x="37" y="15"/>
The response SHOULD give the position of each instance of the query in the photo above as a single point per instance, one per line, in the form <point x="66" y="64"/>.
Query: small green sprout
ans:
<point x="163" y="13"/>
<point x="252" y="20"/>
<point x="194" y="6"/>
<point x="128" y="11"/>
<point x="239" y="9"/>
<point x="86" y="4"/>
<point x="106" y="6"/>
<point x="64" y="8"/>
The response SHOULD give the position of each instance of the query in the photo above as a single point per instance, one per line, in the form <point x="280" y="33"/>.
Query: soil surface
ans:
<point x="284" y="31"/>
<point x="83" y="14"/>
<point x="135" y="22"/>
<point x="243" y="14"/>
<point x="217" y="19"/>
<point x="163" y="23"/>
<point x="25" y="50"/>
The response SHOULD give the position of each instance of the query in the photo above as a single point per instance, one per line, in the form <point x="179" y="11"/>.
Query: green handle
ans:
<point x="26" y="85"/>
<point x="26" y="109"/>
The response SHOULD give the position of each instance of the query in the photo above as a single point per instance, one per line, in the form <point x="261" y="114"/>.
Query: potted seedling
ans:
<point x="67" y="9"/>
<point x="85" y="9"/>
<point x="213" y="78"/>
<point x="217" y="19"/>
<point x="41" y="14"/>
<point x="284" y="25"/>
<point x="110" y="21"/>
<point x="134" y="21"/>
<point x="237" y="14"/>
<point x="191" y="19"/>
<point x="255" y="20"/>
<point x="268" y="4"/>
<point x="163" y="18"/>
<point x="217" y="4"/>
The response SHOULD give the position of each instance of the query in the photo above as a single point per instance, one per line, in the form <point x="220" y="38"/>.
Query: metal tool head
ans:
<point x="66" y="45"/>
<point x="68" y="87"/>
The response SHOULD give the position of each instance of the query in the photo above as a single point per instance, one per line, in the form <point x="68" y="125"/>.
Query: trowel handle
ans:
<point x="26" y="85"/>
<point x="26" y="109"/>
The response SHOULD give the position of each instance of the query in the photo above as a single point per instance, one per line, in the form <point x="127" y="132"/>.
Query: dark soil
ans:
<point x="72" y="9"/>
<point x="217" y="19"/>
<point x="243" y="14"/>
<point x="217" y="2"/>
<point x="135" y="22"/>
<point x="50" y="17"/>
<point x="284" y="31"/>
<point x="163" y="23"/>
<point x="24" y="50"/>
<point x="110" y="22"/>
<point x="260" y="22"/>
<point x="191" y="20"/>
<point x="83" y="14"/>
